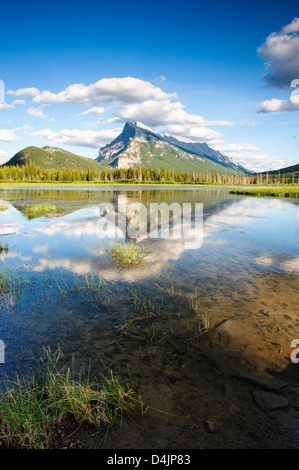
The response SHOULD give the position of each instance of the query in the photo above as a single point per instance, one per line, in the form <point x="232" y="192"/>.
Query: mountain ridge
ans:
<point x="137" y="144"/>
<point x="286" y="169"/>
<point x="202" y="149"/>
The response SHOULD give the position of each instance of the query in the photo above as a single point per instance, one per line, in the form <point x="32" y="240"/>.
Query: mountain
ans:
<point x="203" y="150"/>
<point x="53" y="158"/>
<point x="140" y="145"/>
<point x="288" y="169"/>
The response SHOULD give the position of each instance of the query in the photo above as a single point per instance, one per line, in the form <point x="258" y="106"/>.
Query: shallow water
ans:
<point x="245" y="241"/>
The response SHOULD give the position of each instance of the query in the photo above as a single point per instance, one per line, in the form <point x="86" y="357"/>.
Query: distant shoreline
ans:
<point x="138" y="185"/>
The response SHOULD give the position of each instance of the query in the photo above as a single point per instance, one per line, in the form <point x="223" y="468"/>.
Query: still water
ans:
<point x="245" y="239"/>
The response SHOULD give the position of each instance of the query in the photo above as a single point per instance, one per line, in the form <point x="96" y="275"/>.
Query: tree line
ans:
<point x="30" y="172"/>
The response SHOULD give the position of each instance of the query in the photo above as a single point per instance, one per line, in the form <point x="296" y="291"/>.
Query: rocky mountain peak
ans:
<point x="129" y="146"/>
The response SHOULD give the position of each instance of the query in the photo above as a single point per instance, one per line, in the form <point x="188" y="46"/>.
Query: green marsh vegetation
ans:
<point x="152" y="315"/>
<point x="31" y="412"/>
<point x="204" y="319"/>
<point x="90" y="289"/>
<point x="40" y="210"/>
<point x="13" y="286"/>
<point x="139" y="321"/>
<point x="128" y="254"/>
<point x="148" y="313"/>
<point x="273" y="192"/>
<point x="10" y="289"/>
<point x="162" y="314"/>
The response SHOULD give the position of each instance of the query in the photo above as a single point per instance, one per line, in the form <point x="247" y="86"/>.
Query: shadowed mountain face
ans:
<point x="140" y="145"/>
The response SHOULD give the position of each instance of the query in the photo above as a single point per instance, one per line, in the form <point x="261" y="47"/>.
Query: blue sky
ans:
<point x="217" y="72"/>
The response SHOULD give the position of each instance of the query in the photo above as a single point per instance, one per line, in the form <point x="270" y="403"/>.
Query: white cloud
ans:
<point x="113" y="120"/>
<point x="127" y="89"/>
<point x="276" y="105"/>
<point x="224" y="147"/>
<point x="281" y="55"/>
<point x="21" y="102"/>
<point x="25" y="128"/>
<point x="6" y="107"/>
<point x="24" y="92"/>
<point x="37" y="112"/>
<point x="138" y="100"/>
<point x="85" y="138"/>
<point x="293" y="27"/>
<point x="161" y="113"/>
<point x="134" y="99"/>
<point x="8" y="135"/>
<point x="201" y="134"/>
<point x="252" y="156"/>
<point x="95" y="110"/>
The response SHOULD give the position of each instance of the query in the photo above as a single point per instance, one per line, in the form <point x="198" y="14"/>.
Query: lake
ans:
<point x="177" y="325"/>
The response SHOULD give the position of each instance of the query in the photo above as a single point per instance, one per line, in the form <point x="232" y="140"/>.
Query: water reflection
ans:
<point x="246" y="229"/>
<point x="243" y="239"/>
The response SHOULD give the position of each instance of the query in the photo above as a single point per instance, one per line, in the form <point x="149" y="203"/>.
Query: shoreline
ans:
<point x="141" y="185"/>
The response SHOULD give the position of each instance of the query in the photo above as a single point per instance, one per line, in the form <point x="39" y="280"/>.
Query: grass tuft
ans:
<point x="128" y="254"/>
<point x="40" y="210"/>
<point x="203" y="318"/>
<point x="31" y="412"/>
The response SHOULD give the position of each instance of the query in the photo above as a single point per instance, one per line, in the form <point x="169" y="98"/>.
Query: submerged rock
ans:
<point x="210" y="427"/>
<point x="267" y="382"/>
<point x="269" y="401"/>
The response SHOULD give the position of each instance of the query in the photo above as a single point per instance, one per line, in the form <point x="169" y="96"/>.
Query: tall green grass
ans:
<point x="10" y="288"/>
<point x="31" y="412"/>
